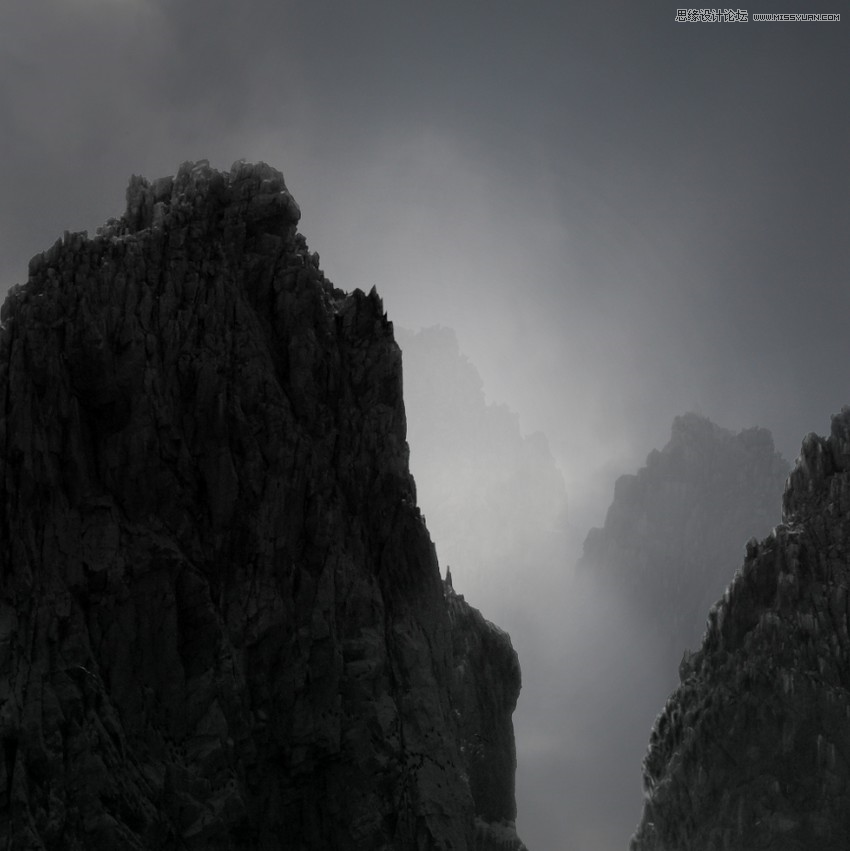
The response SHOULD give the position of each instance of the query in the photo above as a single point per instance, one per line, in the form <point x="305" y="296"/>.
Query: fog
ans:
<point x="621" y="217"/>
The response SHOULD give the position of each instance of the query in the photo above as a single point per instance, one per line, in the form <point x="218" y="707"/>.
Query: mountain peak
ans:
<point x="222" y="623"/>
<point x="256" y="191"/>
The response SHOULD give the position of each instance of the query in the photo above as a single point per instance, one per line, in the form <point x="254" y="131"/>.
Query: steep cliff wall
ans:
<point x="486" y="687"/>
<point x="753" y="749"/>
<point x="222" y="624"/>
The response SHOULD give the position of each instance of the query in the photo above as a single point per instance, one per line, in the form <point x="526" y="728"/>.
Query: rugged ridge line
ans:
<point x="753" y="749"/>
<point x="222" y="624"/>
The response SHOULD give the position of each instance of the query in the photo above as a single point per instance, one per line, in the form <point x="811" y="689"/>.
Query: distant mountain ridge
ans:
<point x="494" y="498"/>
<point x="674" y="532"/>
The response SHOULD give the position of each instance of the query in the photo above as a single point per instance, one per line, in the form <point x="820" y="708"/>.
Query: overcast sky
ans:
<point x="622" y="217"/>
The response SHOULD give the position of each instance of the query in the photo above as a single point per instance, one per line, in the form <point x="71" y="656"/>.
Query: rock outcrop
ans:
<point x="487" y="684"/>
<point x="674" y="533"/>
<point x="753" y="749"/>
<point x="222" y="624"/>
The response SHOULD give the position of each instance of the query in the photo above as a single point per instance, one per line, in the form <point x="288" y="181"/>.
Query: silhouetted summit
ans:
<point x="222" y="623"/>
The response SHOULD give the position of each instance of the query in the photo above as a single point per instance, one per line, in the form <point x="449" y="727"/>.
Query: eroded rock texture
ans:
<point x="222" y="624"/>
<point x="753" y="749"/>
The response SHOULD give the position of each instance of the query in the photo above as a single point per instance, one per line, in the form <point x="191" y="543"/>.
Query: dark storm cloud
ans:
<point x="622" y="217"/>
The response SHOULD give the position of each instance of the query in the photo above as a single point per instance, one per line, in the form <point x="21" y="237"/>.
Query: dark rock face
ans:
<point x="675" y="531"/>
<point x="487" y="685"/>
<point x="222" y="624"/>
<point x="752" y="749"/>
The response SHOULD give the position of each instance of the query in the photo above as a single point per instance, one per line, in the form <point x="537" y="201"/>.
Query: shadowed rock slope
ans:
<point x="753" y="749"/>
<point x="222" y="624"/>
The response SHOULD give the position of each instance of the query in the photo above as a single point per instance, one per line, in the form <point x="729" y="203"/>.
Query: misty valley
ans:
<point x="276" y="574"/>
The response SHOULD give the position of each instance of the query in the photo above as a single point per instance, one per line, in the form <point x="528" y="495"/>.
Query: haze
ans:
<point x="621" y="217"/>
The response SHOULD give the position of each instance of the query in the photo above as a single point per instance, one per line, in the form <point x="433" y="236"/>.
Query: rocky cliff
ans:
<point x="222" y="624"/>
<point x="753" y="749"/>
